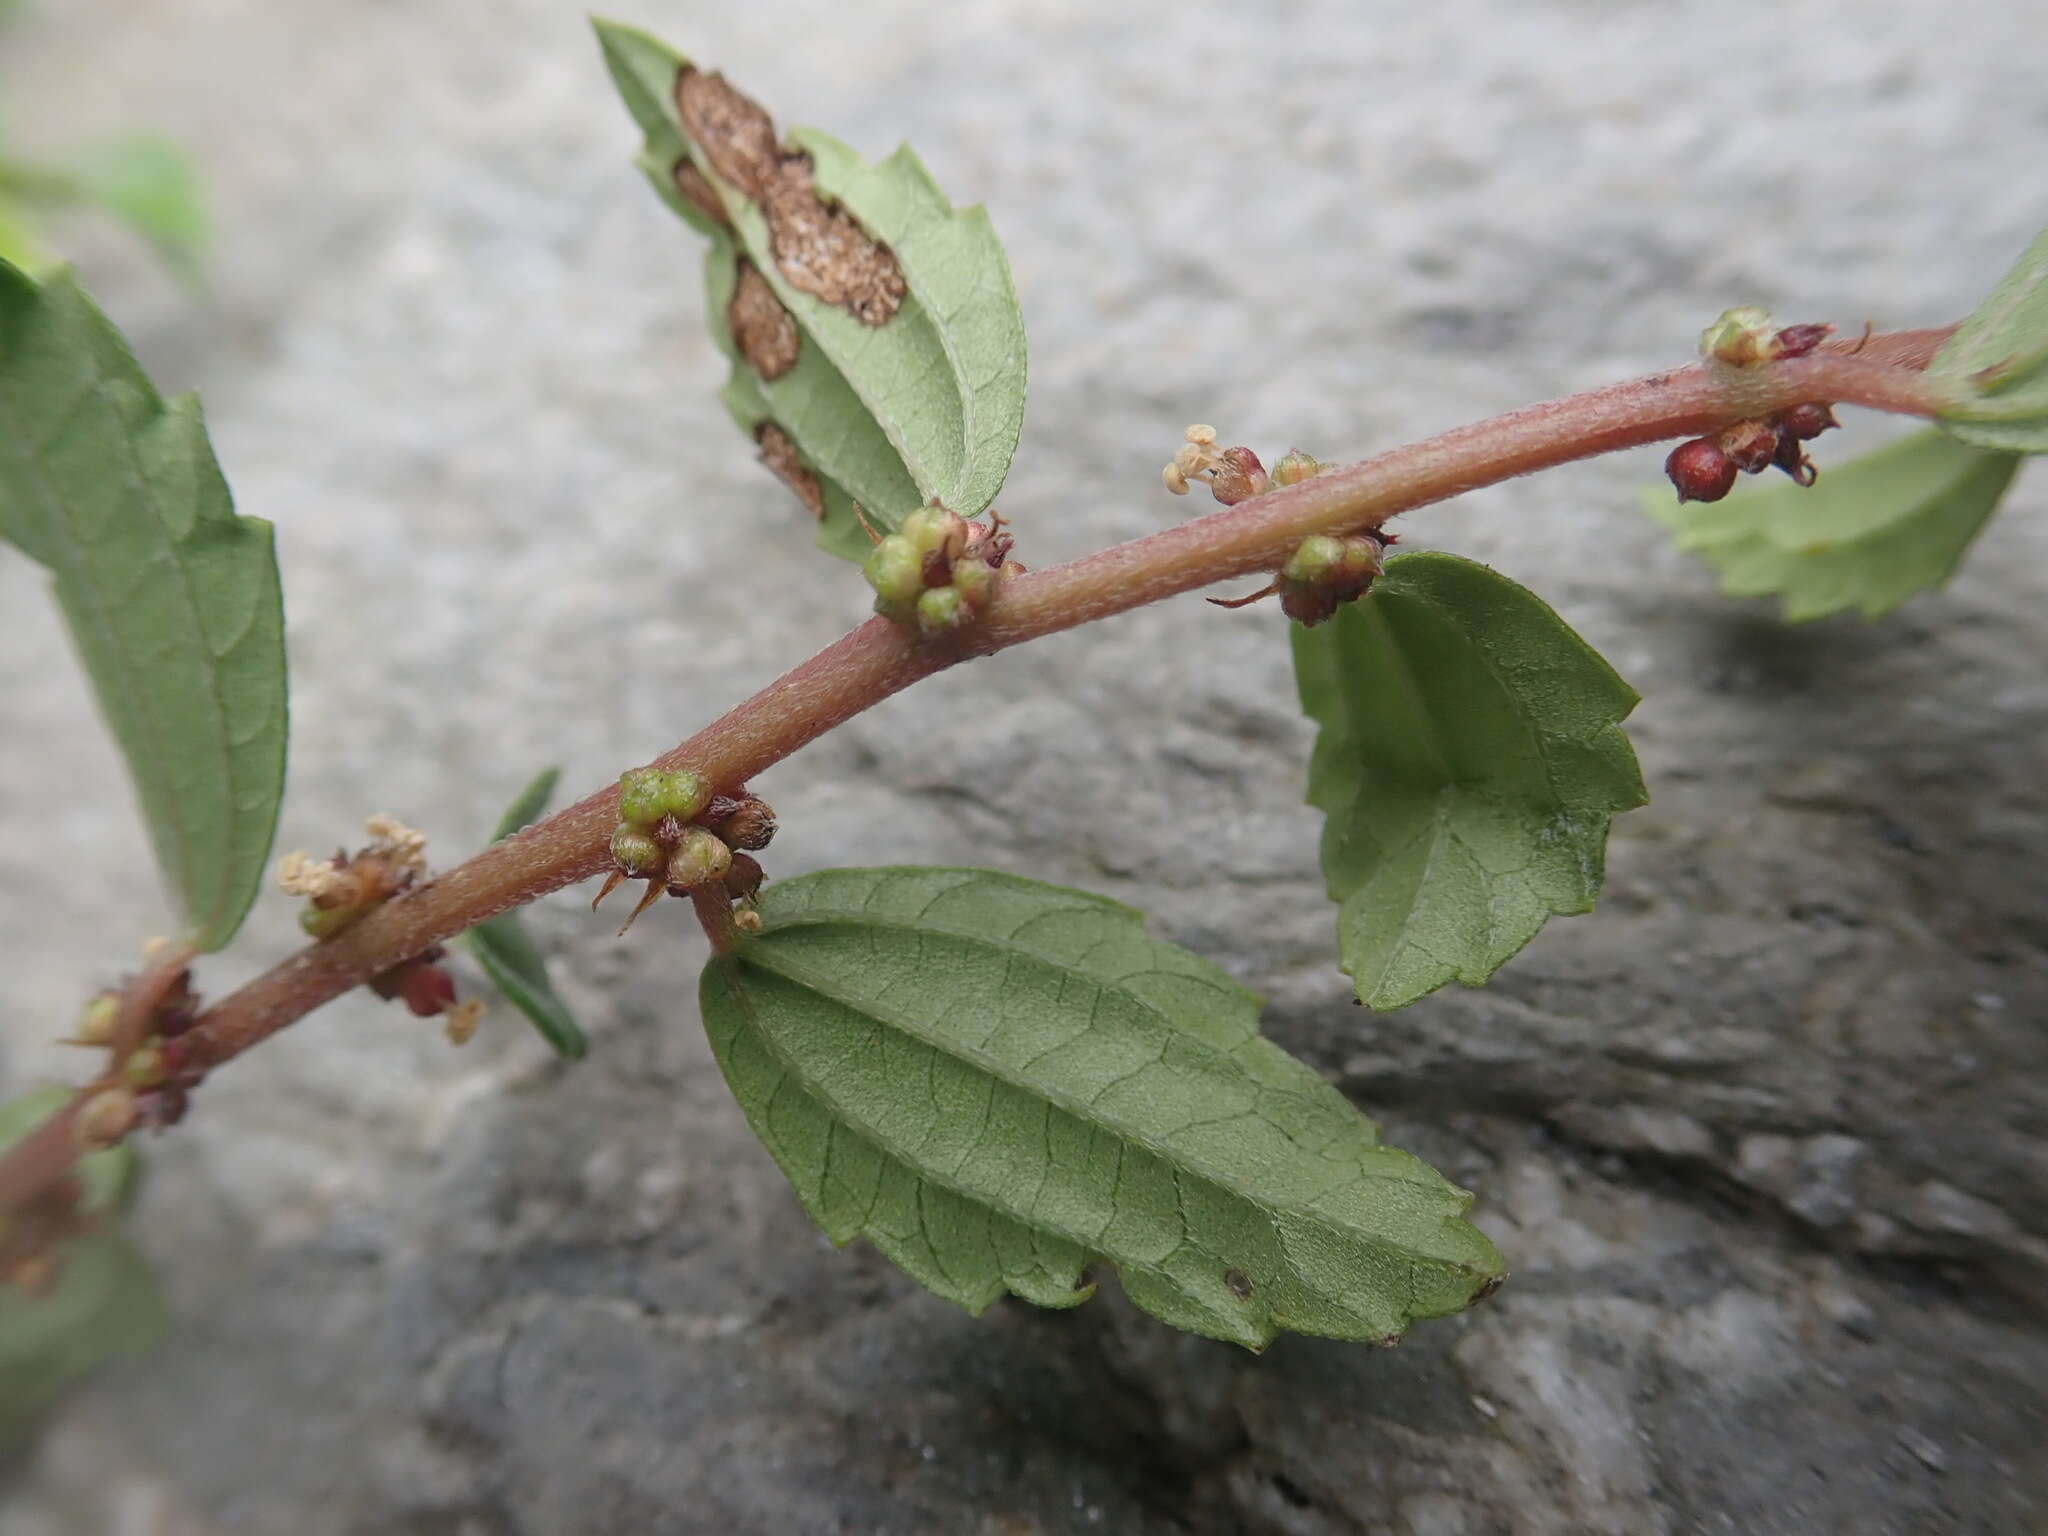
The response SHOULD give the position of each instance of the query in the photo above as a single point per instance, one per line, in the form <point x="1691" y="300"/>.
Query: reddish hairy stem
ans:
<point x="880" y="658"/>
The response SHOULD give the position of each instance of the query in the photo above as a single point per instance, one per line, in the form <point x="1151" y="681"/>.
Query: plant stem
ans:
<point x="48" y="1152"/>
<point x="880" y="658"/>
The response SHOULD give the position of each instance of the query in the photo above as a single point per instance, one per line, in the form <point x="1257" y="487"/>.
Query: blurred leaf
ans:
<point x="2000" y="355"/>
<point x="529" y="805"/>
<point x="889" y="412"/>
<point x="172" y="600"/>
<point x="509" y="957"/>
<point x="155" y="188"/>
<point x="103" y="1301"/>
<point x="1469" y="762"/>
<point x="18" y="245"/>
<point x="1867" y="534"/>
<point x="999" y="1083"/>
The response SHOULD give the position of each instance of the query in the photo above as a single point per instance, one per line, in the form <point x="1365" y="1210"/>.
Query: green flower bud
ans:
<point x="933" y="528"/>
<point x="1295" y="467"/>
<point x="1741" y="336"/>
<point x="895" y="569"/>
<point x="975" y="581"/>
<point x="698" y="859"/>
<point x="145" y="1068"/>
<point x="96" y="1024"/>
<point x="648" y="794"/>
<point x="942" y="610"/>
<point x="1360" y="562"/>
<point x="640" y="796"/>
<point x="326" y="922"/>
<point x="634" y="851"/>
<point x="1314" y="559"/>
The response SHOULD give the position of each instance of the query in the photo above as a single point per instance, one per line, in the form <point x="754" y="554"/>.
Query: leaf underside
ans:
<point x="172" y="600"/>
<point x="1999" y="355"/>
<point x="507" y="952"/>
<point x="1867" y="535"/>
<point x="1469" y="762"/>
<point x="1000" y="1083"/>
<point x="926" y="404"/>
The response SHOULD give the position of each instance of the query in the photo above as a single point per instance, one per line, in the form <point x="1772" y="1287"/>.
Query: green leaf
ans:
<point x="173" y="600"/>
<point x="1867" y="534"/>
<point x="999" y="1083"/>
<point x="926" y="403"/>
<point x="154" y="187"/>
<point x="104" y="1301"/>
<point x="1999" y="356"/>
<point x="1469" y="762"/>
<point x="510" y="957"/>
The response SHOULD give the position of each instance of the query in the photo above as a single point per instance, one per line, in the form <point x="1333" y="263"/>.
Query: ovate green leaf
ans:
<point x="1000" y="1083"/>
<point x="508" y="954"/>
<point x="1867" y="534"/>
<point x="1999" y="356"/>
<point x="1469" y="762"/>
<point x="172" y="600"/>
<point x="101" y="1302"/>
<point x="893" y="400"/>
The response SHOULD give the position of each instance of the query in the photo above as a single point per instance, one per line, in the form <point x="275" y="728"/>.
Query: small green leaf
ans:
<point x="925" y="403"/>
<point x="1999" y="356"/>
<point x="510" y="958"/>
<point x="1469" y="762"/>
<point x="999" y="1083"/>
<point x="172" y="600"/>
<point x="1867" y="535"/>
<point x="154" y="187"/>
<point x="103" y="1303"/>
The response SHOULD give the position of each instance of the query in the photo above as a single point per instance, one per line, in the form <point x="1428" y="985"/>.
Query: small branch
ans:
<point x="714" y="913"/>
<point x="880" y="659"/>
<point x="48" y="1152"/>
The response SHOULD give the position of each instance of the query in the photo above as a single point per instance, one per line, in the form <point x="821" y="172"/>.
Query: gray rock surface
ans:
<point x="1765" y="1140"/>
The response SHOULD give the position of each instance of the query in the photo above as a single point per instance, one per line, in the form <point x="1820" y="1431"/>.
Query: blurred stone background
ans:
<point x="1765" y="1140"/>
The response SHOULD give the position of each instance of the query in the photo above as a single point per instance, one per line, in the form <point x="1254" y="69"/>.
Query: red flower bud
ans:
<point x="1807" y="422"/>
<point x="1750" y="445"/>
<point x="1798" y="340"/>
<point x="1700" y="470"/>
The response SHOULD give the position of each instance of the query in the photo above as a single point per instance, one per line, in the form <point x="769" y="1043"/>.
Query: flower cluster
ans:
<point x="939" y="570"/>
<point x="1704" y="468"/>
<point x="679" y="837"/>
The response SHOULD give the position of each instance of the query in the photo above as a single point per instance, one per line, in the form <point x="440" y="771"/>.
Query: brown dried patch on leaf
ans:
<point x="778" y="452"/>
<point x="696" y="191"/>
<point x="819" y="249"/>
<point x="762" y="329"/>
<point x="733" y="130"/>
<point x="822" y="251"/>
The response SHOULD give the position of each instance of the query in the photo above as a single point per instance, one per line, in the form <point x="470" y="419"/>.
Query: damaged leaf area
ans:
<point x="871" y="323"/>
<point x="1003" y="1084"/>
<point x="819" y="249"/>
